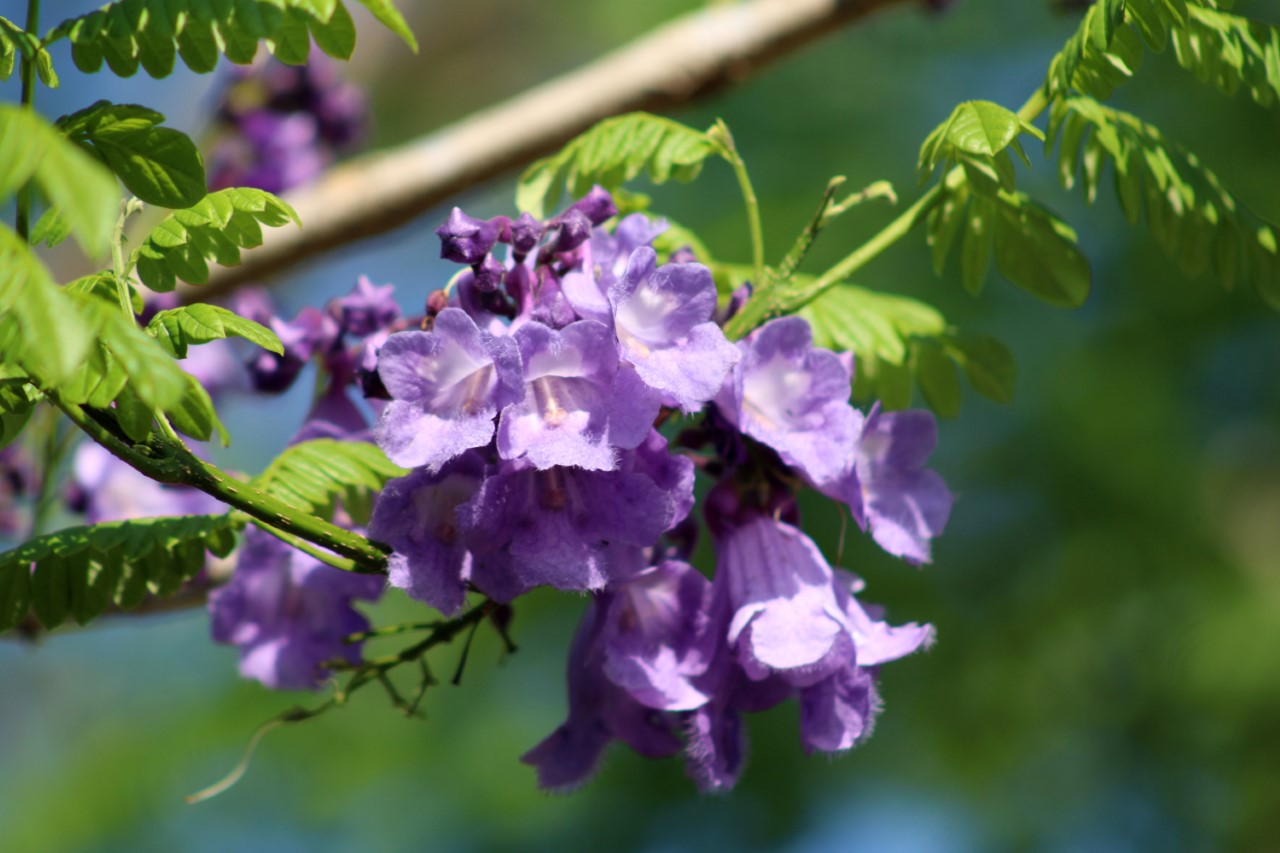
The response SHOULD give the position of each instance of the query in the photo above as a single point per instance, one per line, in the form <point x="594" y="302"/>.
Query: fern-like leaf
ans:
<point x="314" y="475"/>
<point x="1194" y="218"/>
<point x="613" y="152"/>
<point x="132" y="33"/>
<point x="80" y="571"/>
<point x="897" y="339"/>
<point x="1231" y="53"/>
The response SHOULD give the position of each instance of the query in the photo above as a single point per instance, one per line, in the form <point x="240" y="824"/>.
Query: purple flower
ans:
<point x="597" y="205"/>
<point x="838" y="712"/>
<point x="794" y="398"/>
<point x="604" y="264"/>
<point x="366" y="309"/>
<point x="778" y="591"/>
<point x="656" y="637"/>
<point x="906" y="504"/>
<point x="599" y="711"/>
<point x="447" y="385"/>
<point x="888" y="488"/>
<point x="564" y="527"/>
<point x="662" y="316"/>
<point x="671" y="473"/>
<point x="465" y="239"/>
<point x="417" y="516"/>
<point x="715" y="736"/>
<point x="578" y="408"/>
<point x="289" y="613"/>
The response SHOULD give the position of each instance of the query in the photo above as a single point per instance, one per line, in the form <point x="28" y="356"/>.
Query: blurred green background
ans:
<point x="1107" y="596"/>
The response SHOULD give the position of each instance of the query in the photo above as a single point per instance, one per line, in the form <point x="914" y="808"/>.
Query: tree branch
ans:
<point x="685" y="59"/>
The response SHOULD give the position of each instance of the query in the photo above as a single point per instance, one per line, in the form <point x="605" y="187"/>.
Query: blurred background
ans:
<point x="1107" y="596"/>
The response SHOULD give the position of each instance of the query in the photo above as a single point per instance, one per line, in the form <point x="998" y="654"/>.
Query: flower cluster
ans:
<point x="286" y="611"/>
<point x="529" y="409"/>
<point x="282" y="125"/>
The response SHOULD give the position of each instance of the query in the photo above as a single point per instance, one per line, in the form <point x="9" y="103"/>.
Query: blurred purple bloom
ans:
<point x="310" y="332"/>
<point x="17" y="477"/>
<point x="283" y="125"/>
<point x="662" y="317"/>
<point x="578" y="408"/>
<point x="366" y="309"/>
<point x="795" y="398"/>
<point x="417" y="516"/>
<point x="269" y="151"/>
<point x="447" y="385"/>
<point x="289" y="613"/>
<point x="111" y="490"/>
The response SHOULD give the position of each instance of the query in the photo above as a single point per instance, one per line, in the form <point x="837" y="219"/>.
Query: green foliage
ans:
<point x="129" y="33"/>
<point x="73" y="182"/>
<point x="390" y="17"/>
<point x="1193" y="217"/>
<point x="9" y="47"/>
<point x="314" y="475"/>
<point x="895" y="338"/>
<point x="51" y="229"/>
<point x="613" y="152"/>
<point x="80" y="571"/>
<point x="17" y="400"/>
<point x="41" y="330"/>
<point x="1231" y="52"/>
<point x="194" y="414"/>
<point x="1030" y="246"/>
<point x="978" y="136"/>
<point x="1107" y="48"/>
<point x="1224" y="50"/>
<point x="14" y="40"/>
<point x="159" y="165"/>
<point x="106" y="359"/>
<point x="122" y="355"/>
<point x="216" y="228"/>
<point x="178" y="328"/>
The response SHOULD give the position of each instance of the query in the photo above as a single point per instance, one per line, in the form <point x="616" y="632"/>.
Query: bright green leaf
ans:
<point x="613" y="152"/>
<point x="73" y="182"/>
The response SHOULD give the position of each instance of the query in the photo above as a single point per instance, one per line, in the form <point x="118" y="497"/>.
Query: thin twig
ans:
<point x="687" y="58"/>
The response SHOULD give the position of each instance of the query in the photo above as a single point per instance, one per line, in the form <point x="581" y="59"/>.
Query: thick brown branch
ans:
<point x="684" y="59"/>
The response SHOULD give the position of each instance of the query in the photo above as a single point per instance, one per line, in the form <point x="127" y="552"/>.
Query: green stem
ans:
<point x="303" y="545"/>
<point x="754" y="222"/>
<point x="171" y="462"/>
<point x="766" y="303"/>
<point x="22" y="223"/>
<point x="1035" y="105"/>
